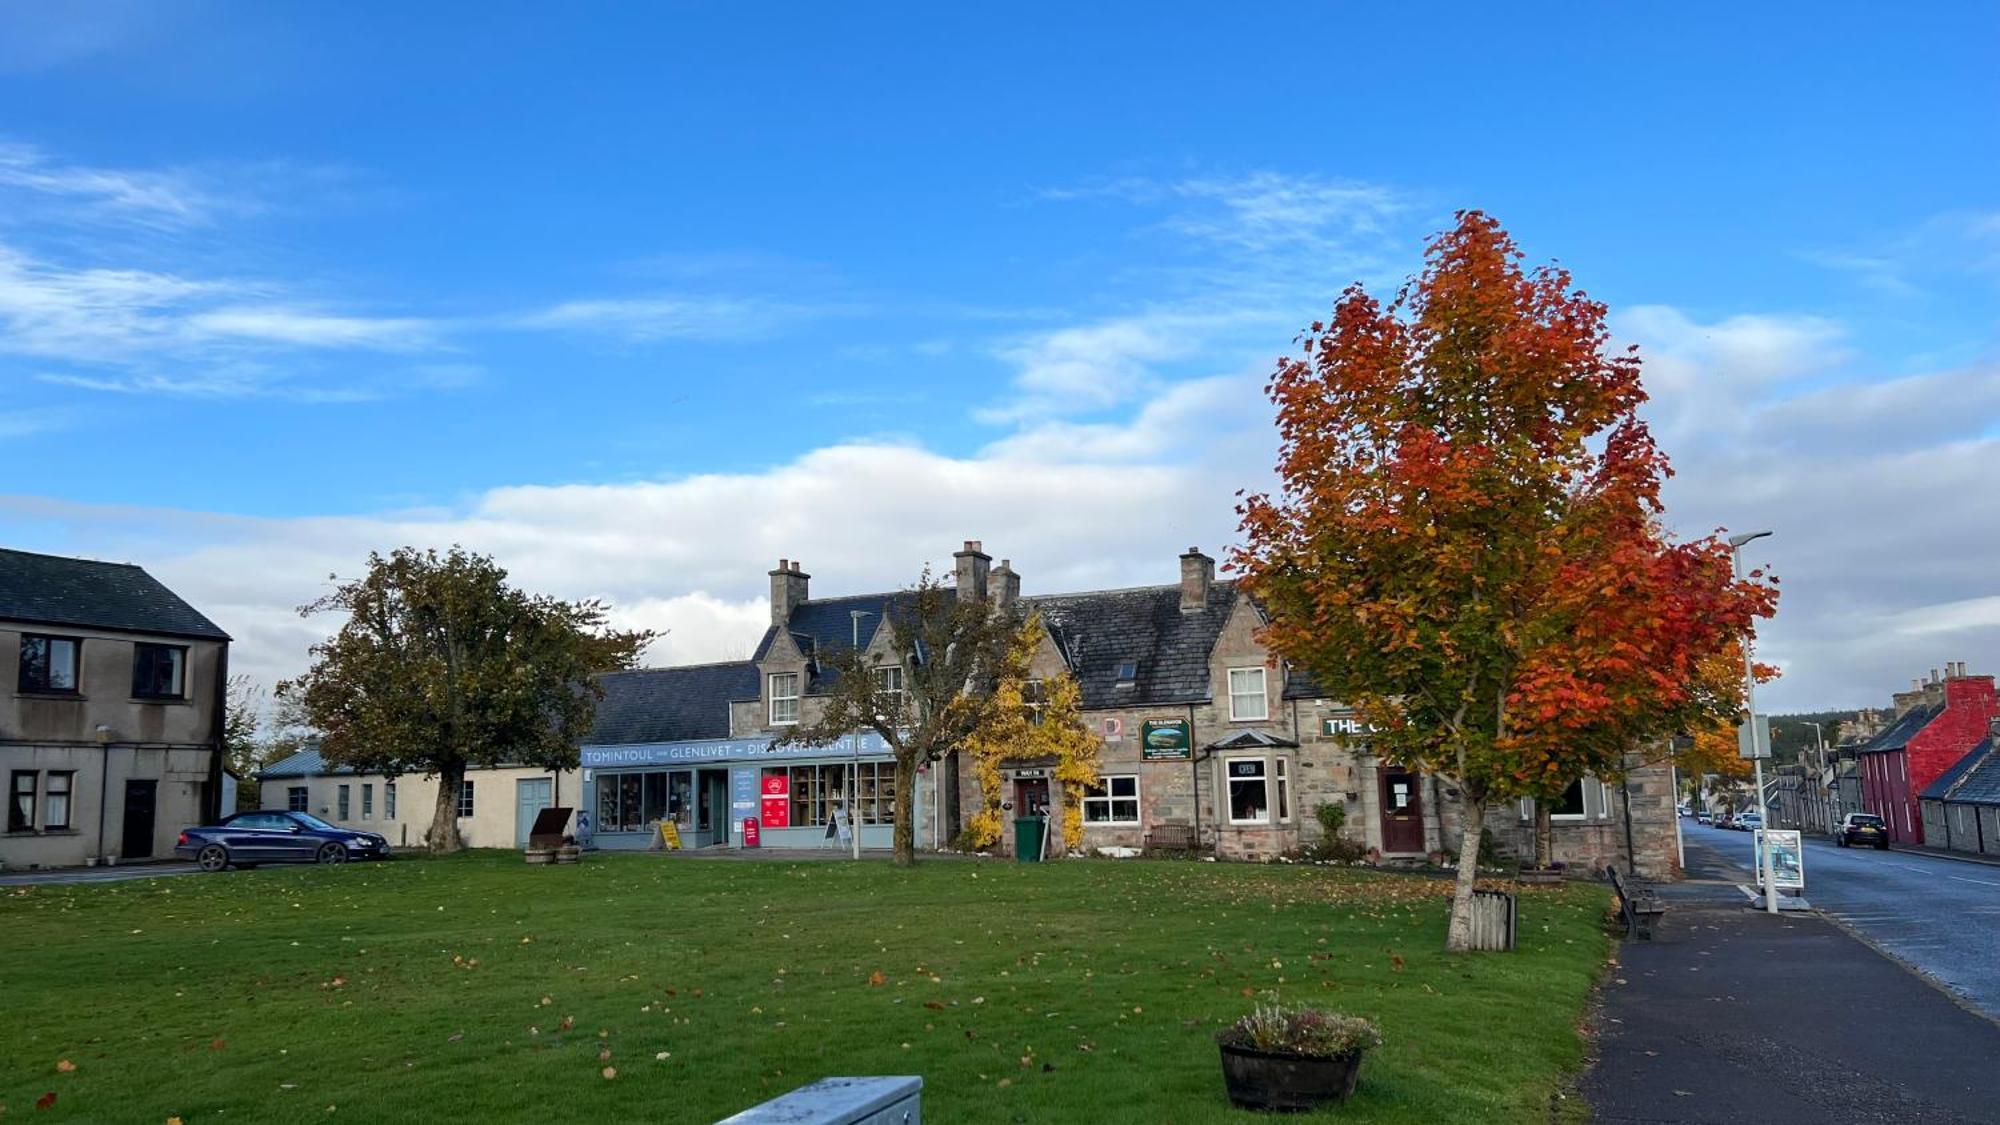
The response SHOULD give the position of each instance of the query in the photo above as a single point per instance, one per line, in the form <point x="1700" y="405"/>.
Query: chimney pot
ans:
<point x="1197" y="575"/>
<point x="970" y="569"/>
<point x="788" y="591"/>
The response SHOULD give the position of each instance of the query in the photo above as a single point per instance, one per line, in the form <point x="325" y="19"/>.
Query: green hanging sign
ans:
<point x="1165" y="740"/>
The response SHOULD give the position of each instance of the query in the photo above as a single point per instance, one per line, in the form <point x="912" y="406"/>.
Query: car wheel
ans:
<point x="332" y="853"/>
<point x="214" y="857"/>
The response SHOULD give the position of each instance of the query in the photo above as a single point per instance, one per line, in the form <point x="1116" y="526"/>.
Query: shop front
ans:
<point x="709" y="788"/>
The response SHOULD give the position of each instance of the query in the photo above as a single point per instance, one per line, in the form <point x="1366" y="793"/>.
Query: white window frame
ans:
<point x="1110" y="802"/>
<point x="1229" y="793"/>
<point x="368" y="800"/>
<point x="388" y="800"/>
<point x="50" y="821"/>
<point x="772" y="697"/>
<point x="1282" y="806"/>
<point x="889" y="684"/>
<point x="298" y="798"/>
<point x="1263" y="695"/>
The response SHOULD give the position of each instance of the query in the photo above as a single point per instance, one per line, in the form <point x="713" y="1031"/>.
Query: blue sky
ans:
<point x="638" y="296"/>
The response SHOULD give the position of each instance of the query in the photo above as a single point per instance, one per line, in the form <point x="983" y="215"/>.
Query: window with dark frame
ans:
<point x="464" y="799"/>
<point x="388" y="800"/>
<point x="55" y="800"/>
<point x="367" y="801"/>
<point x="159" y="671"/>
<point x="49" y="664"/>
<point x="343" y="806"/>
<point x="296" y="799"/>
<point x="21" y="801"/>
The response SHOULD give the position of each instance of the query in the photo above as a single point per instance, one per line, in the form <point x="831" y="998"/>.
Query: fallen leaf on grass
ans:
<point x="876" y="979"/>
<point x="934" y="1005"/>
<point x="46" y="1100"/>
<point x="217" y="1043"/>
<point x="64" y="1066"/>
<point x="610" y="1072"/>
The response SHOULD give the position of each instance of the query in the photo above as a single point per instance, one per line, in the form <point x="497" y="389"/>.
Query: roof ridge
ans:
<point x="69" y="558"/>
<point x="1159" y="586"/>
<point x="746" y="662"/>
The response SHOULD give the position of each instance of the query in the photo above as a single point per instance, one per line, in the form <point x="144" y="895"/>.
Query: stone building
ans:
<point x="1937" y="723"/>
<point x="1204" y="731"/>
<point x="111" y="734"/>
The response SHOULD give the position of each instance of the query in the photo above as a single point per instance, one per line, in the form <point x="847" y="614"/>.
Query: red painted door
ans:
<point x="1402" y="810"/>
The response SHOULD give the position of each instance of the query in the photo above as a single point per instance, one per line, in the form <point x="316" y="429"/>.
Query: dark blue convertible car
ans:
<point x="274" y="836"/>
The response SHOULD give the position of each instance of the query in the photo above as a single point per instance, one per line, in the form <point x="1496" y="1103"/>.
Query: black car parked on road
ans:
<point x="1862" y="828"/>
<point x="274" y="836"/>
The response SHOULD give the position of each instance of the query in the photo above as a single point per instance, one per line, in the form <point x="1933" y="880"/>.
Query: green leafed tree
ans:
<point x="441" y="665"/>
<point x="953" y="653"/>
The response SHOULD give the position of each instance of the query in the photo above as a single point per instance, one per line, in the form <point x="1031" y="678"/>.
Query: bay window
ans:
<point x="1249" y="791"/>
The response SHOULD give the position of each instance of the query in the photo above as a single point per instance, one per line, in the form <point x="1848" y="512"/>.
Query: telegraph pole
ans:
<point x="1759" y="748"/>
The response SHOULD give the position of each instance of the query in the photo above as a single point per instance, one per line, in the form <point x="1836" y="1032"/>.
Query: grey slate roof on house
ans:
<point x="1899" y="733"/>
<point x="670" y="704"/>
<point x="56" y="590"/>
<point x="1975" y="780"/>
<point x="1100" y="630"/>
<point x="300" y="763"/>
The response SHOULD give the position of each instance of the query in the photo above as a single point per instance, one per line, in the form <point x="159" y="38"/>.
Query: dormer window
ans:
<point x="1128" y="673"/>
<point x="784" y="696"/>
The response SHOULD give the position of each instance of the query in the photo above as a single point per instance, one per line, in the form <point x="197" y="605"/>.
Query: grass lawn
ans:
<point x="641" y="988"/>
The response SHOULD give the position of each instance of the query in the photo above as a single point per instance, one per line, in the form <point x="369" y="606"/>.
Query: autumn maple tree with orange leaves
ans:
<point x="1466" y="545"/>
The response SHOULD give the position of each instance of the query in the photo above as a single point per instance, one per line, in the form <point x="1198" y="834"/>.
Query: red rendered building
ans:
<point x="1937" y="723"/>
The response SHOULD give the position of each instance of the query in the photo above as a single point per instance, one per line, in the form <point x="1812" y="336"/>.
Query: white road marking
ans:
<point x="1982" y="882"/>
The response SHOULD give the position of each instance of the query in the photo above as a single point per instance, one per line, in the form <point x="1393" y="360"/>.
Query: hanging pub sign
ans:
<point x="1165" y="740"/>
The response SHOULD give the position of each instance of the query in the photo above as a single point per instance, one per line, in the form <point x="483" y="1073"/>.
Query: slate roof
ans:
<point x="1099" y="630"/>
<point x="56" y="590"/>
<point x="670" y="704"/>
<point x="299" y="763"/>
<point x="1899" y="733"/>
<point x="1974" y="780"/>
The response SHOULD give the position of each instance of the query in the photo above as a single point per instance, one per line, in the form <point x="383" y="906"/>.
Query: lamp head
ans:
<point x="1739" y="540"/>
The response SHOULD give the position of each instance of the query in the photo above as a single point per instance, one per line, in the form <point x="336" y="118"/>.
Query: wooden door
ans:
<point x="1402" y="810"/>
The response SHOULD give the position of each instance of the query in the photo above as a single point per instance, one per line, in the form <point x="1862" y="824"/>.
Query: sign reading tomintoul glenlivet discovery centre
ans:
<point x="1165" y="740"/>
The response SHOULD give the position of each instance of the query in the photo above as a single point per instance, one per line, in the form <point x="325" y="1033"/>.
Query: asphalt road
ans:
<point x="1940" y="915"/>
<point x="96" y="874"/>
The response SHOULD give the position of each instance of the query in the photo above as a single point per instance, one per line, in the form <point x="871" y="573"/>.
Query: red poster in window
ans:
<point x="777" y="802"/>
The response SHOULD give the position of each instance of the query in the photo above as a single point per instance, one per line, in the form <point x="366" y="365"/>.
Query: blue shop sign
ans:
<point x="868" y="744"/>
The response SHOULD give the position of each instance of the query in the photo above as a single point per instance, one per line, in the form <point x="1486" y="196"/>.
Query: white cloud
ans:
<point x="1089" y="367"/>
<point x="689" y="556"/>
<point x="669" y="316"/>
<point x="145" y="332"/>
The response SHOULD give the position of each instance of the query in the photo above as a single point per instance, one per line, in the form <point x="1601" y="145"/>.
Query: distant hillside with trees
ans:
<point x="1793" y="733"/>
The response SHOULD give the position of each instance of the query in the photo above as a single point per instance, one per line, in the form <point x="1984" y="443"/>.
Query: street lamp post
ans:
<point x="1825" y="781"/>
<point x="1757" y="748"/>
<point x="854" y="617"/>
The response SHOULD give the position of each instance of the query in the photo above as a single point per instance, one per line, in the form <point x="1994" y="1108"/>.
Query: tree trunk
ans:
<point x="1545" y="835"/>
<point x="443" y="835"/>
<point x="1472" y="815"/>
<point x="906" y="807"/>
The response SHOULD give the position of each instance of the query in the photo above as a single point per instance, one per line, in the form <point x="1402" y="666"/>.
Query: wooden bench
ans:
<point x="1639" y="904"/>
<point x="1171" y="838"/>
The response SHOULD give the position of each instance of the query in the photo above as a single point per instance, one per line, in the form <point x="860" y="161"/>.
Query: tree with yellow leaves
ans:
<point x="1027" y="724"/>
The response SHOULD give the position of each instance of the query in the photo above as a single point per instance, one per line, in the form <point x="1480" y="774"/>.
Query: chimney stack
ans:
<point x="1197" y="575"/>
<point x="1005" y="586"/>
<point x="788" y="591"/>
<point x="971" y="570"/>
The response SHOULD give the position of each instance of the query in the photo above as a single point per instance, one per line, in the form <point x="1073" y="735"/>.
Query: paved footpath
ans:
<point x="1937" y="913"/>
<point x="1730" y="1015"/>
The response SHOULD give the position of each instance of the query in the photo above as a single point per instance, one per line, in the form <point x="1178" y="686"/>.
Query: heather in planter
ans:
<point x="1293" y="1058"/>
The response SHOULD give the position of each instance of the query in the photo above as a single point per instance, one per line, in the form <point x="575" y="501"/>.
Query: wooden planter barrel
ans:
<point x="541" y="855"/>
<point x="1287" y="1083"/>
<point x="569" y="853"/>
